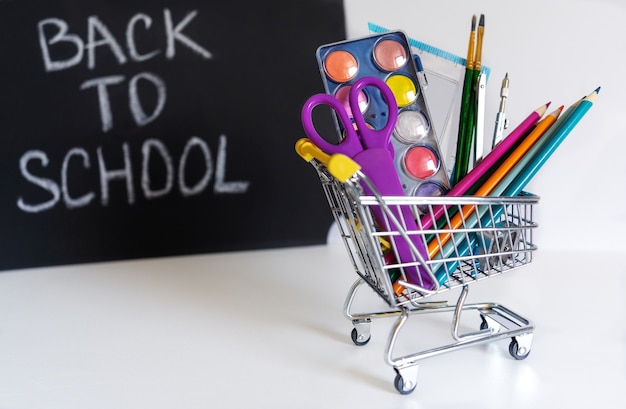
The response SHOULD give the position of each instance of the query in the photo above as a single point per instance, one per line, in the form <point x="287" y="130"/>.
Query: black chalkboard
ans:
<point x="134" y="129"/>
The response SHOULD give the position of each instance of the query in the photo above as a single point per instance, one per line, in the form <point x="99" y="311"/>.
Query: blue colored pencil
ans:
<point x="552" y="144"/>
<point x="514" y="183"/>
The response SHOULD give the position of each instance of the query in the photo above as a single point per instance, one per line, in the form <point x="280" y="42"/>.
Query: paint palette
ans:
<point x="417" y="156"/>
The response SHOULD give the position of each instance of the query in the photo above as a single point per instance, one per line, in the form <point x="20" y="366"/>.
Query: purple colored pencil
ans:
<point x="487" y="163"/>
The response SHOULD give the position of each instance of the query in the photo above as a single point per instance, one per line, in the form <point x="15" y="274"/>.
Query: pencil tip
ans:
<point x="482" y="20"/>
<point x="598" y="90"/>
<point x="548" y="104"/>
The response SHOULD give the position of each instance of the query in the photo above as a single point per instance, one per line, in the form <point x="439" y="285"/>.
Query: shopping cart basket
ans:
<point x="469" y="239"/>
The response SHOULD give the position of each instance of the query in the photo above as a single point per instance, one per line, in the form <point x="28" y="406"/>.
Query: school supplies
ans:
<point x="369" y="147"/>
<point x="488" y="162"/>
<point x="540" y="158"/>
<point x="537" y="147"/>
<point x="465" y="106"/>
<point x="484" y="218"/>
<point x="387" y="56"/>
<point x="443" y="77"/>
<point x="486" y="232"/>
<point x="501" y="121"/>
<point x="368" y="256"/>
<point x="480" y="118"/>
<point x="340" y="166"/>
<point x="467" y="122"/>
<point x="513" y="153"/>
<point x="518" y="177"/>
<point x="484" y="168"/>
<point x="486" y="188"/>
<point x="516" y="180"/>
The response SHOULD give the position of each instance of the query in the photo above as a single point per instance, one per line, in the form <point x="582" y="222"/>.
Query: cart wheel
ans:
<point x="359" y="340"/>
<point x="404" y="387"/>
<point x="517" y="352"/>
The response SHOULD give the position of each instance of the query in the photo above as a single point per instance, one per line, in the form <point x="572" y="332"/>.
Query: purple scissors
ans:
<point x="370" y="148"/>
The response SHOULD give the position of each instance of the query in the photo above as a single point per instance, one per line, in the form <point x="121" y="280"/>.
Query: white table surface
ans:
<point x="264" y="329"/>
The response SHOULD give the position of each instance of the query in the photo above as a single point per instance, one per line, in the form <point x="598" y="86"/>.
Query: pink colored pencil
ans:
<point x="488" y="161"/>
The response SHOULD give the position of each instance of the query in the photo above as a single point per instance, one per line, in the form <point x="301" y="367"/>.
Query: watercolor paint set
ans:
<point x="417" y="156"/>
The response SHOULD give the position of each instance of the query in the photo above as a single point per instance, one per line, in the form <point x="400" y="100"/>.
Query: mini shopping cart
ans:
<point x="494" y="236"/>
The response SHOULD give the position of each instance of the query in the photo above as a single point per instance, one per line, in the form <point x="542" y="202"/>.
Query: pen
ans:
<point x="501" y="121"/>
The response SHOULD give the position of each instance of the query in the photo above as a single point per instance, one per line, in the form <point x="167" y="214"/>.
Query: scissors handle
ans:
<point x="373" y="138"/>
<point x="350" y="145"/>
<point x="370" y="149"/>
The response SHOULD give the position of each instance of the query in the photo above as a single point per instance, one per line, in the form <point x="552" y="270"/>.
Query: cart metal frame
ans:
<point x="495" y="237"/>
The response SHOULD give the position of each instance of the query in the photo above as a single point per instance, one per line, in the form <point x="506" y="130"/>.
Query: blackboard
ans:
<point x="134" y="129"/>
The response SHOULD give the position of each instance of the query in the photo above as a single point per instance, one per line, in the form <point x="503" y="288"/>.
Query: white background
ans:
<point x="558" y="51"/>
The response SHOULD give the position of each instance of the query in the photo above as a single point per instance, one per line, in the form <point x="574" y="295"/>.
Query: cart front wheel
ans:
<point x="517" y="352"/>
<point x="359" y="340"/>
<point x="403" y="386"/>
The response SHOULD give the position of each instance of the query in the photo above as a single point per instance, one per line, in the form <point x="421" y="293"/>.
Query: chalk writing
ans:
<point x="151" y="150"/>
<point x="61" y="50"/>
<point x="101" y="84"/>
<point x="54" y="32"/>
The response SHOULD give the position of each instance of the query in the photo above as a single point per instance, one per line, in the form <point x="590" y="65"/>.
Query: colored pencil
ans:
<point x="486" y="188"/>
<point x="519" y="167"/>
<point x="559" y="136"/>
<point x="461" y="143"/>
<point x="471" y="179"/>
<point x="516" y="180"/>
<point x="488" y="162"/>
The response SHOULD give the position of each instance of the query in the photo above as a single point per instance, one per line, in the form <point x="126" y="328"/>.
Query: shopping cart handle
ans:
<point x="340" y="166"/>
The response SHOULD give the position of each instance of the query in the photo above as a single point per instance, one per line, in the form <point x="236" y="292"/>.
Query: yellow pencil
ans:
<point x="486" y="188"/>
